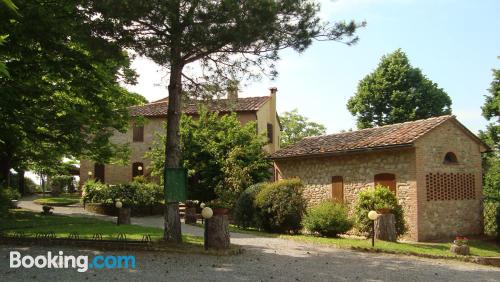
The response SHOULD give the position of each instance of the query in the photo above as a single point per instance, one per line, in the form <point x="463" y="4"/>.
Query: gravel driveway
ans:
<point x="265" y="259"/>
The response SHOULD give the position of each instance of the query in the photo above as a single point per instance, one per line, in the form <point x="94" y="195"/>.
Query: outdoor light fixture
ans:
<point x="373" y="215"/>
<point x="202" y="205"/>
<point x="90" y="173"/>
<point x="139" y="168"/>
<point x="118" y="205"/>
<point x="206" y="213"/>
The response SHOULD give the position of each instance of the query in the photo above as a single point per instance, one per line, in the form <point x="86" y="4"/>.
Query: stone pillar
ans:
<point x="385" y="227"/>
<point x="217" y="232"/>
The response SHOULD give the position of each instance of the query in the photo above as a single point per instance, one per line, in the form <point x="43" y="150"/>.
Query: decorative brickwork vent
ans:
<point x="450" y="186"/>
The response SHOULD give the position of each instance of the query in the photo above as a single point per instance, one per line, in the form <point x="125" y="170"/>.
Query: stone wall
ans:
<point x="358" y="171"/>
<point x="438" y="219"/>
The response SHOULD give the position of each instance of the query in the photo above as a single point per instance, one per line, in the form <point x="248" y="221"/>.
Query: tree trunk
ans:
<point x="385" y="227"/>
<point x="4" y="172"/>
<point x="124" y="215"/>
<point x="172" y="232"/>
<point x="217" y="232"/>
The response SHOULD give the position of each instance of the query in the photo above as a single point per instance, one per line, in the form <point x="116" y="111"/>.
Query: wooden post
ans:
<point x="385" y="227"/>
<point x="217" y="232"/>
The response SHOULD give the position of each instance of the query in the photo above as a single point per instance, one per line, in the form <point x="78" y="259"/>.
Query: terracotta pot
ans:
<point x="220" y="210"/>
<point x="384" y="210"/>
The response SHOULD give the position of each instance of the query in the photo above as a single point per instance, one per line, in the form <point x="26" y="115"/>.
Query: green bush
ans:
<point x="7" y="194"/>
<point x="328" y="219"/>
<point x="372" y="199"/>
<point x="280" y="206"/>
<point x="94" y="191"/>
<point x="245" y="212"/>
<point x="59" y="183"/>
<point x="135" y="193"/>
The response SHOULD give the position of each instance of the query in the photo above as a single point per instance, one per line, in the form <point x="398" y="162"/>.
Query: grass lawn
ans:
<point x="63" y="200"/>
<point x="30" y="223"/>
<point x="477" y="248"/>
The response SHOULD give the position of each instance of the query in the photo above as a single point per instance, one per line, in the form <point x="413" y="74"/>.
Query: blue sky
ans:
<point x="455" y="43"/>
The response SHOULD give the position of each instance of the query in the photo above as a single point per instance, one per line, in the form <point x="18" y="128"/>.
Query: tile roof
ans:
<point x="394" y="135"/>
<point x="159" y="108"/>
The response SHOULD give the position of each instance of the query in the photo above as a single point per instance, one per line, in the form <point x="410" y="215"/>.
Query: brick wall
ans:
<point x="358" y="171"/>
<point x="447" y="218"/>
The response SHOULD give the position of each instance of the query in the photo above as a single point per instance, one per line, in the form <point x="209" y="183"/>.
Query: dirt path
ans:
<point x="274" y="259"/>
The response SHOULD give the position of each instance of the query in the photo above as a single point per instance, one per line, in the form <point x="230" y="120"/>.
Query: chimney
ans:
<point x="273" y="90"/>
<point x="232" y="90"/>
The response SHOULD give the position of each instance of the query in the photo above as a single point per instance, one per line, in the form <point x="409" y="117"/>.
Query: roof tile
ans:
<point x="159" y="108"/>
<point x="372" y="138"/>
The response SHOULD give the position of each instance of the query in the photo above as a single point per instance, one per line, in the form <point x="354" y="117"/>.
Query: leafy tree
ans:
<point x="62" y="96"/>
<point x="491" y="136"/>
<point x="3" y="37"/>
<point x="226" y="40"/>
<point x="397" y="92"/>
<point x="222" y="156"/>
<point x="295" y="127"/>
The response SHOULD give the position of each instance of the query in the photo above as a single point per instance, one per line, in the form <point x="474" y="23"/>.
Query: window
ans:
<point x="99" y="172"/>
<point x="137" y="169"/>
<point x="270" y="133"/>
<point x="450" y="158"/>
<point x="338" y="189"/>
<point x="138" y="135"/>
<point x="386" y="179"/>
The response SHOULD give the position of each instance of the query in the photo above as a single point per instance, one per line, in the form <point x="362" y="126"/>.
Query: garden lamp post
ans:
<point x="206" y="213"/>
<point x="118" y="205"/>
<point x="373" y="215"/>
<point x="90" y="174"/>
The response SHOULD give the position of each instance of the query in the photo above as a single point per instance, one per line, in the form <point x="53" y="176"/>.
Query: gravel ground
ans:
<point x="265" y="259"/>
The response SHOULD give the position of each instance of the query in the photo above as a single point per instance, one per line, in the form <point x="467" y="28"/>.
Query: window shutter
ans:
<point x="338" y="188"/>
<point x="387" y="180"/>
<point x="270" y="133"/>
<point x="138" y="134"/>
<point x="99" y="172"/>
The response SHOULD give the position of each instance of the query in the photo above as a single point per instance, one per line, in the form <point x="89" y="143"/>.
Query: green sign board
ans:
<point x="175" y="185"/>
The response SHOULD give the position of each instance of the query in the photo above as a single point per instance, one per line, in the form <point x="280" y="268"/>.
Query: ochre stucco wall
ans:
<point x="115" y="174"/>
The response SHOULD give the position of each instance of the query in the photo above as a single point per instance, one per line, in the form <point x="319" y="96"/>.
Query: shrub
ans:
<point x="245" y="212"/>
<point x="328" y="219"/>
<point x="135" y="193"/>
<point x="372" y="199"/>
<point x="7" y="194"/>
<point x="93" y="191"/>
<point x="280" y="206"/>
<point x="59" y="183"/>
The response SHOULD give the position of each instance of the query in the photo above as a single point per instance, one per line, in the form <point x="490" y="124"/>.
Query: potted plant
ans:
<point x="47" y="210"/>
<point x="219" y="206"/>
<point x="384" y="210"/>
<point x="460" y="247"/>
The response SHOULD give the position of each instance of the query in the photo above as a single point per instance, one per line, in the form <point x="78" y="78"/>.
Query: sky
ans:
<point x="454" y="43"/>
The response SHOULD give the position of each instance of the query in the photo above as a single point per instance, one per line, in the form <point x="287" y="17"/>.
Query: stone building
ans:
<point x="140" y="138"/>
<point x="432" y="165"/>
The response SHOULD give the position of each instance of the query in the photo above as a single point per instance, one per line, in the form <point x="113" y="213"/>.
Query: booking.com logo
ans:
<point x="81" y="263"/>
